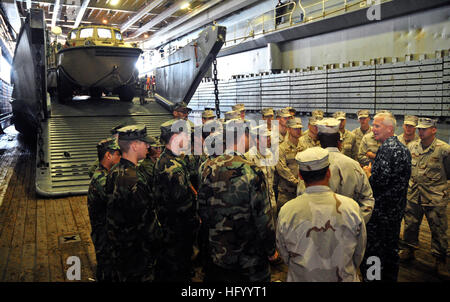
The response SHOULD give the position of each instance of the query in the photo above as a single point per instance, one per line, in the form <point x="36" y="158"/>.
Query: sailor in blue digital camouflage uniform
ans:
<point x="389" y="177"/>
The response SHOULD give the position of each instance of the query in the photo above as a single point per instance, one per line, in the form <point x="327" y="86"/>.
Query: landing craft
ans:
<point x="96" y="60"/>
<point x="45" y="77"/>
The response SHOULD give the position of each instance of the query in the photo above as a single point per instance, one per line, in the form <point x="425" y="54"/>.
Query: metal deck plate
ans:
<point x="71" y="135"/>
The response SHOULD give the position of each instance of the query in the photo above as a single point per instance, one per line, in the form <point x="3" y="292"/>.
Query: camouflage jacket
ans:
<point x="368" y="143"/>
<point x="236" y="212"/>
<point x="389" y="180"/>
<point x="92" y="168"/>
<point x="429" y="173"/>
<point x="287" y="167"/>
<point x="132" y="223"/>
<point x="262" y="162"/>
<point x="401" y="138"/>
<point x="306" y="141"/>
<point x="96" y="202"/>
<point x="349" y="146"/>
<point x="349" y="179"/>
<point x="175" y="196"/>
<point x="321" y="236"/>
<point x="358" y="137"/>
<point x="147" y="169"/>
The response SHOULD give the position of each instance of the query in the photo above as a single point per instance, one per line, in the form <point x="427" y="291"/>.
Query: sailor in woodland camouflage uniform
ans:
<point x="428" y="193"/>
<point x="409" y="130"/>
<point x="95" y="165"/>
<point x="310" y="140"/>
<point x="388" y="178"/>
<point x="147" y="165"/>
<point x="347" y="176"/>
<point x="134" y="232"/>
<point x="235" y="209"/>
<point x="321" y="235"/>
<point x="181" y="112"/>
<point x="177" y="201"/>
<point x="108" y="154"/>
<point x="348" y="138"/>
<point x="287" y="167"/>
<point x="363" y="119"/>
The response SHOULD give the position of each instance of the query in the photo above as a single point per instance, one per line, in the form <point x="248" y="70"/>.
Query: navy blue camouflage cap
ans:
<point x="135" y="132"/>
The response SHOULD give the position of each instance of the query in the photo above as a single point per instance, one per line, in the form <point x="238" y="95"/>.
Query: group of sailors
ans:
<point x="234" y="197"/>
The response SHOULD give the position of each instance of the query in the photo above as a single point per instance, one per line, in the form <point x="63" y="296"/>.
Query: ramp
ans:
<point x="70" y="136"/>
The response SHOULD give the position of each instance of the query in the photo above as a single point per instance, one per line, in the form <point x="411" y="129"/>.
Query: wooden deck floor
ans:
<point x="32" y="230"/>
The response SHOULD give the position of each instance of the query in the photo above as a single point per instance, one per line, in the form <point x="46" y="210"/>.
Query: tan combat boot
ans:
<point x="441" y="268"/>
<point x="406" y="254"/>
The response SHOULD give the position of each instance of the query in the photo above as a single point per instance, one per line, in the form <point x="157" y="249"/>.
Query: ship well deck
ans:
<point x="37" y="235"/>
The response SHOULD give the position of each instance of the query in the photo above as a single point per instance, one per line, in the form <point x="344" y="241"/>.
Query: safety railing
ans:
<point x="291" y="14"/>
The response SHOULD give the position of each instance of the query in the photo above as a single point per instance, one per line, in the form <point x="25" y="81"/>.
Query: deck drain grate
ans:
<point x="69" y="238"/>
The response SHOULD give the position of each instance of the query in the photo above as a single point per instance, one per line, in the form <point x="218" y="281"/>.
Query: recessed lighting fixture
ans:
<point x="114" y="2"/>
<point x="104" y="21"/>
<point x="185" y="5"/>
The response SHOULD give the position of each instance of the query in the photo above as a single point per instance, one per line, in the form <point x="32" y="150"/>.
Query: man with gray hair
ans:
<point x="389" y="177"/>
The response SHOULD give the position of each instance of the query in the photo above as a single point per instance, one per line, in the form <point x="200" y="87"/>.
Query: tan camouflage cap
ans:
<point x="134" y="132"/>
<point x="328" y="125"/>
<point x="317" y="112"/>
<point x="295" y="123"/>
<point x="232" y="115"/>
<point x="363" y="113"/>
<point x="283" y="113"/>
<point x="425" y="122"/>
<point x="314" y="119"/>
<point x="291" y="109"/>
<point x="339" y="115"/>
<point x="238" y="107"/>
<point x="267" y="111"/>
<point x="108" y="144"/>
<point x="208" y="113"/>
<point x="411" y="120"/>
<point x="313" y="159"/>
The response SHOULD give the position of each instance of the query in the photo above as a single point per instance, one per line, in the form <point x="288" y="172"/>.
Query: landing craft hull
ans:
<point x="103" y="67"/>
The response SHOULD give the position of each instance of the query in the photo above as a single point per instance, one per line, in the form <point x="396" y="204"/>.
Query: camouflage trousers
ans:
<point x="437" y="220"/>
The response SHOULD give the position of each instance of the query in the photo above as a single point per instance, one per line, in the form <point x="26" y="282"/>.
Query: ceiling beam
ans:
<point x="162" y="16"/>
<point x="81" y="12"/>
<point x="56" y="11"/>
<point x="140" y="14"/>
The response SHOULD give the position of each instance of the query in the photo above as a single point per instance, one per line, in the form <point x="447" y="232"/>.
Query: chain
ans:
<point x="40" y="96"/>
<point x="216" y="88"/>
